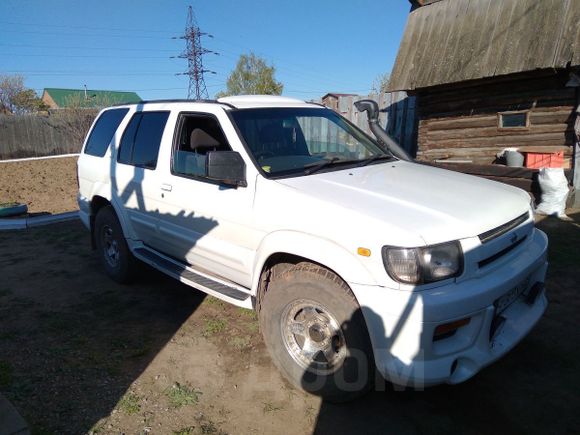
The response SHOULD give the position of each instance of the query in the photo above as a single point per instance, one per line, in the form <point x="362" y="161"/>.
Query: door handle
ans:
<point x="166" y="187"/>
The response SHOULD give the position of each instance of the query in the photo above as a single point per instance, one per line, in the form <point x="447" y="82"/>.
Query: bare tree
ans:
<point x="380" y="83"/>
<point x="78" y="115"/>
<point x="16" y="98"/>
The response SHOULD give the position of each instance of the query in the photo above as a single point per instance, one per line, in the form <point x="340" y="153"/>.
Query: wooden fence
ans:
<point x="398" y="116"/>
<point x="37" y="135"/>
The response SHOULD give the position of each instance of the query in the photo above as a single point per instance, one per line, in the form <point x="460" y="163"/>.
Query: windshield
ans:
<point x="287" y="141"/>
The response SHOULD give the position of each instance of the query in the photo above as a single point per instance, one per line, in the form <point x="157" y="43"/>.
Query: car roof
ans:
<point x="237" y="102"/>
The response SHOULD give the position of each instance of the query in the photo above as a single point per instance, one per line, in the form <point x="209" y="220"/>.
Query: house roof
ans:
<point x="452" y="41"/>
<point x="66" y="97"/>
<point x="335" y="94"/>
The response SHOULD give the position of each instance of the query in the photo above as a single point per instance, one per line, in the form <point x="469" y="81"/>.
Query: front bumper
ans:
<point x="402" y="324"/>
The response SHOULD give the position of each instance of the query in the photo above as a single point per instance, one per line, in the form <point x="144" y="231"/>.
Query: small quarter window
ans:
<point x="514" y="119"/>
<point x="103" y="131"/>
<point x="142" y="138"/>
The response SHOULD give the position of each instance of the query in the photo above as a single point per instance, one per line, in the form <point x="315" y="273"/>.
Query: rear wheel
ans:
<point x="112" y="247"/>
<point x="316" y="334"/>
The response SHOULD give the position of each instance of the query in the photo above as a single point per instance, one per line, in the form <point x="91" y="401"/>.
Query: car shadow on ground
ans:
<point x="72" y="341"/>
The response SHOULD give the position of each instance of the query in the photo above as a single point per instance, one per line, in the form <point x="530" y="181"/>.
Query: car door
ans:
<point x="205" y="224"/>
<point x="135" y="182"/>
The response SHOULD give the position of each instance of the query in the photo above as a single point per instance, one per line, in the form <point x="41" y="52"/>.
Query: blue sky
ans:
<point x="317" y="46"/>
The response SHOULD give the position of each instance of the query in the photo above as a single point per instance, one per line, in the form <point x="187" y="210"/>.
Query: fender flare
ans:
<point x="104" y="191"/>
<point x="323" y="251"/>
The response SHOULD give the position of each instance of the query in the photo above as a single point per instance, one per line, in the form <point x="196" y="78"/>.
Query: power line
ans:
<point x="117" y="29"/>
<point x="87" y="48"/>
<point x="83" y="56"/>
<point x="100" y="35"/>
<point x="194" y="54"/>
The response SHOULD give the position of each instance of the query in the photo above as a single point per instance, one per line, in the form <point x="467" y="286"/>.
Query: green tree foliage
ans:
<point x="16" y="98"/>
<point x="252" y="76"/>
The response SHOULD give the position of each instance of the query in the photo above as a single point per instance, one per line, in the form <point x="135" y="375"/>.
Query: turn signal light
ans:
<point x="448" y="329"/>
<point x="364" y="252"/>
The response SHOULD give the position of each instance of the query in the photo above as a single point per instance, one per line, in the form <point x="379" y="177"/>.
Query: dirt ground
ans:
<point x="81" y="354"/>
<point x="46" y="186"/>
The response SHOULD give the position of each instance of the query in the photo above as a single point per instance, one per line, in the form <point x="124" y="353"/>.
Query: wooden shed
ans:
<point x="492" y="74"/>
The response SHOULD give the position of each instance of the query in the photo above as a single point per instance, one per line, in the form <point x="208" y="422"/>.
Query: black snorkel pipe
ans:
<point x="372" y="109"/>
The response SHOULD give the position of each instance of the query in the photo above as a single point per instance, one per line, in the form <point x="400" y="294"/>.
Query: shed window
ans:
<point x="514" y="119"/>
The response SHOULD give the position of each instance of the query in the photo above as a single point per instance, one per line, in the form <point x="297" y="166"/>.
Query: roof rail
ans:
<point x="176" y="100"/>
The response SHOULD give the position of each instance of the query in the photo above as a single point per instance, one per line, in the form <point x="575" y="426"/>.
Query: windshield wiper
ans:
<point x="374" y="158"/>
<point x="317" y="166"/>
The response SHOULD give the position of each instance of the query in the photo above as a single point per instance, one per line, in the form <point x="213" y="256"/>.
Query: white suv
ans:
<point x="354" y="259"/>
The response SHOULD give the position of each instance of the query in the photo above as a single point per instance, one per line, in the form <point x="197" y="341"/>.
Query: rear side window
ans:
<point x="103" y="132"/>
<point x="141" y="140"/>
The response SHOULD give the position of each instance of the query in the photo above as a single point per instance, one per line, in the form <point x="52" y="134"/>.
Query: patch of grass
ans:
<point x="253" y="327"/>
<point x="210" y="300"/>
<point x="270" y="407"/>
<point x="214" y="326"/>
<point x="239" y="343"/>
<point x="250" y="314"/>
<point x="209" y="427"/>
<point x="5" y="374"/>
<point x="129" y="404"/>
<point x="184" y="431"/>
<point x="8" y="335"/>
<point x="182" y="395"/>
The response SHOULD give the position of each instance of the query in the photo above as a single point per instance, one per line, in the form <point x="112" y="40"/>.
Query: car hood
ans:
<point x="436" y="204"/>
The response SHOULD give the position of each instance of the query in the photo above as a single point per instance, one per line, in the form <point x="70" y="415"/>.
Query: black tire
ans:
<point x="349" y="372"/>
<point x="112" y="248"/>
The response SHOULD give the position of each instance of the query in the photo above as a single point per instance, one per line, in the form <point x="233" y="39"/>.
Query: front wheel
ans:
<point x="316" y="334"/>
<point x="112" y="248"/>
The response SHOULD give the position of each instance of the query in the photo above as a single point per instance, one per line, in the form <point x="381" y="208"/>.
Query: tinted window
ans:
<point x="103" y="132"/>
<point x="126" y="147"/>
<point x="140" y="143"/>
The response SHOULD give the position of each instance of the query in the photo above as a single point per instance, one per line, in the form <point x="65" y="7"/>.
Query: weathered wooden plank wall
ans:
<point x="462" y="122"/>
<point x="398" y="116"/>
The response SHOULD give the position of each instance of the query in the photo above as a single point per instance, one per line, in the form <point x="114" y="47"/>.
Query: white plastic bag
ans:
<point x="554" y="186"/>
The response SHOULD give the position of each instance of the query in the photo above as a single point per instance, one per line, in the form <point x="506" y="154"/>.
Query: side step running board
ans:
<point x="187" y="275"/>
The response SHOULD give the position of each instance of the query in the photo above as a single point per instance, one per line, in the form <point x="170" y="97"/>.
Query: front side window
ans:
<point x="103" y="131"/>
<point x="142" y="138"/>
<point x="294" y="141"/>
<point x="197" y="135"/>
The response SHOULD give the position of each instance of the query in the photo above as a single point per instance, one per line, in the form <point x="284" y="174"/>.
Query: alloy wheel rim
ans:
<point x="110" y="246"/>
<point x="312" y="336"/>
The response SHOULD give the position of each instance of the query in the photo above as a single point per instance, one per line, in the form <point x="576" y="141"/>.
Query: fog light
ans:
<point x="448" y="329"/>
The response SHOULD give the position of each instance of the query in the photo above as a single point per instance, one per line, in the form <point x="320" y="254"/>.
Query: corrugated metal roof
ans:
<point x="457" y="40"/>
<point x="94" y="98"/>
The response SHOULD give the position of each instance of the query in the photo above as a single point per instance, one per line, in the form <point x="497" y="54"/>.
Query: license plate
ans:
<point x="509" y="298"/>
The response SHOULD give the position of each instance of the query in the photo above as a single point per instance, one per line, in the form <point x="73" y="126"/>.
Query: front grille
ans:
<point x="501" y="253"/>
<point x="502" y="229"/>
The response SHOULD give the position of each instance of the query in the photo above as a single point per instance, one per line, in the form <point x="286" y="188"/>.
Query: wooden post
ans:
<point x="574" y="81"/>
<point x="576" y="182"/>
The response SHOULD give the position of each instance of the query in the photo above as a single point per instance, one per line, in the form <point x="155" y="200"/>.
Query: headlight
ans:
<point x="423" y="265"/>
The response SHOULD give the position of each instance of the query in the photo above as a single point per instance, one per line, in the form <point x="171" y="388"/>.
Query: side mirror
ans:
<point x="227" y="167"/>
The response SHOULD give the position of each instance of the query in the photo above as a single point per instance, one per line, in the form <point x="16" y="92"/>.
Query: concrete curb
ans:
<point x="30" y="159"/>
<point x="11" y="423"/>
<point x="37" y="221"/>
